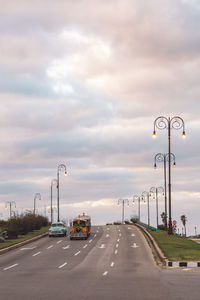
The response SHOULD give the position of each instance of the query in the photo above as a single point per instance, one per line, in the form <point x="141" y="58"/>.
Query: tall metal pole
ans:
<point x="139" y="208"/>
<point x="123" y="211"/>
<point x="169" y="160"/>
<point x="58" y="197"/>
<point x="51" y="203"/>
<point x="10" y="209"/>
<point x="148" y="210"/>
<point x="165" y="188"/>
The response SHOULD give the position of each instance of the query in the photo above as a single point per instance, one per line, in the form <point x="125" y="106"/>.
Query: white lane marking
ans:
<point x="77" y="253"/>
<point x="117" y="245"/>
<point x="90" y="241"/>
<point x="120" y="234"/>
<point x="66" y="247"/>
<point x="102" y="246"/>
<point x="85" y="246"/>
<point x="116" y="251"/>
<point x="108" y="228"/>
<point x="50" y="247"/>
<point x="59" y="241"/>
<point x="105" y="273"/>
<point x="118" y="240"/>
<point x="107" y="235"/>
<point x="10" y="267"/>
<point x="30" y="248"/>
<point x="95" y="235"/>
<point x="112" y="264"/>
<point x="119" y="230"/>
<point x="134" y="246"/>
<point x="37" y="253"/>
<point x="129" y="227"/>
<point x="132" y="234"/>
<point x="63" y="265"/>
<point x="97" y="231"/>
<point x="98" y="227"/>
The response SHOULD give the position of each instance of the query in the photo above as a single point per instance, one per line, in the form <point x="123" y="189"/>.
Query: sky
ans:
<point x="81" y="83"/>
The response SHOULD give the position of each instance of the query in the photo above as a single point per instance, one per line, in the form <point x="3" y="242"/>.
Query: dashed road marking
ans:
<point x="66" y="247"/>
<point x="97" y="231"/>
<point x="50" y="247"/>
<point x="36" y="253"/>
<point x="117" y="245"/>
<point x="95" y="235"/>
<point x="135" y="246"/>
<point x="129" y="227"/>
<point x="105" y="273"/>
<point x="10" y="267"/>
<point x="118" y="240"/>
<point x="132" y="234"/>
<point x="90" y="241"/>
<point x="59" y="241"/>
<point x="62" y="265"/>
<point x="116" y="251"/>
<point x="108" y="228"/>
<point x="102" y="246"/>
<point x="112" y="264"/>
<point x="119" y="230"/>
<point x="85" y="246"/>
<point x="107" y="235"/>
<point x="120" y="234"/>
<point x="77" y="253"/>
<point x="30" y="248"/>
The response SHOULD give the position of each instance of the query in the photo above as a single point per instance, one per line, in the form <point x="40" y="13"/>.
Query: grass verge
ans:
<point x="23" y="238"/>
<point x="177" y="248"/>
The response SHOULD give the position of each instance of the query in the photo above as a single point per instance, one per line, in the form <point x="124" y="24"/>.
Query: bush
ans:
<point x="117" y="223"/>
<point x="126" y="222"/>
<point x="161" y="227"/>
<point x="133" y="220"/>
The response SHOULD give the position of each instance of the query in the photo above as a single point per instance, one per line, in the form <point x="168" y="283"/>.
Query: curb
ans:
<point x="183" y="264"/>
<point x="18" y="245"/>
<point x="161" y="258"/>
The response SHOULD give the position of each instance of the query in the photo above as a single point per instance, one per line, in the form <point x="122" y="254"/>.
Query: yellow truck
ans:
<point x="80" y="227"/>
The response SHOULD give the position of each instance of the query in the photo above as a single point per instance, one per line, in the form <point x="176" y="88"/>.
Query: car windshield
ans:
<point x="57" y="225"/>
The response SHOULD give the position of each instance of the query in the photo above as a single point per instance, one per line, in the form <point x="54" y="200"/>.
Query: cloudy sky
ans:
<point x="81" y="83"/>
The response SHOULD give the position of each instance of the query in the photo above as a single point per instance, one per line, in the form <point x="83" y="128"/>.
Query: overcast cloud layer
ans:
<point x="81" y="82"/>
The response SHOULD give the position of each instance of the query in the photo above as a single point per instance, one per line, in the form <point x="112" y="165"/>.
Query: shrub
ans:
<point x="133" y="220"/>
<point x="161" y="227"/>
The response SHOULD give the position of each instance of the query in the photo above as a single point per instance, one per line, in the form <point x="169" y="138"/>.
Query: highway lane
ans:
<point x="114" y="263"/>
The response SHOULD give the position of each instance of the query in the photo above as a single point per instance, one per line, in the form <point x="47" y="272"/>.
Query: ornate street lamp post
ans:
<point x="136" y="197"/>
<point x="10" y="204"/>
<point x="169" y="123"/>
<point x="160" y="157"/>
<point x="52" y="183"/>
<point x="123" y="201"/>
<point x="156" y="191"/>
<point x="60" y="168"/>
<point x="147" y="195"/>
<point x="36" y="197"/>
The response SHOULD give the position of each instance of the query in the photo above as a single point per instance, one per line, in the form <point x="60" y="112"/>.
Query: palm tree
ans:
<point x="184" y="219"/>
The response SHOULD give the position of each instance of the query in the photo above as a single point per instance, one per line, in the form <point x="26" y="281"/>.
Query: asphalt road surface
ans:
<point x="114" y="263"/>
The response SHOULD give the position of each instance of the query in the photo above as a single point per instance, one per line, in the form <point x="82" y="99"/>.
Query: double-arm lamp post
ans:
<point x="143" y="196"/>
<point x="138" y="198"/>
<point x="36" y="197"/>
<point x="123" y="201"/>
<point x="61" y="167"/>
<point x="169" y="123"/>
<point x="155" y="191"/>
<point x="160" y="157"/>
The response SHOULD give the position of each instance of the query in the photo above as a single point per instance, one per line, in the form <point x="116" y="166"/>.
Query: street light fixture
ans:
<point x="123" y="201"/>
<point x="36" y="197"/>
<point x="169" y="123"/>
<point x="52" y="183"/>
<point x="147" y="195"/>
<point x="160" y="157"/>
<point x="10" y="204"/>
<point x="156" y="191"/>
<point x="61" y="167"/>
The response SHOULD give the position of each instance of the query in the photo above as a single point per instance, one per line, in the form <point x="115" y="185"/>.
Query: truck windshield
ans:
<point x="57" y="225"/>
<point x="82" y="223"/>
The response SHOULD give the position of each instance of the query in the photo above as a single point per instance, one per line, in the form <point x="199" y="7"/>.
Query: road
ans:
<point x="114" y="263"/>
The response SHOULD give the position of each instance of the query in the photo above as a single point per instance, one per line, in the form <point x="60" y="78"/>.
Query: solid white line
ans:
<point x="50" y="247"/>
<point x="116" y="251"/>
<point x="63" y="265"/>
<point x="117" y="245"/>
<point x="105" y="273"/>
<point x="90" y="241"/>
<point x="85" y="246"/>
<point x="36" y="253"/>
<point x="112" y="264"/>
<point x="59" y="241"/>
<point x="10" y="267"/>
<point x="77" y="253"/>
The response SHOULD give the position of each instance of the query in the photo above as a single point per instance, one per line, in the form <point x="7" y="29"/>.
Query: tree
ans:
<point x="164" y="219"/>
<point x="184" y="219"/>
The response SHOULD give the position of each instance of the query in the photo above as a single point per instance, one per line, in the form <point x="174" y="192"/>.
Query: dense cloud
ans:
<point x="81" y="83"/>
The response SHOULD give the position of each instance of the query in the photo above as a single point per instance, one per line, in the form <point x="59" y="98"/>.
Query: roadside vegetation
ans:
<point x="176" y="248"/>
